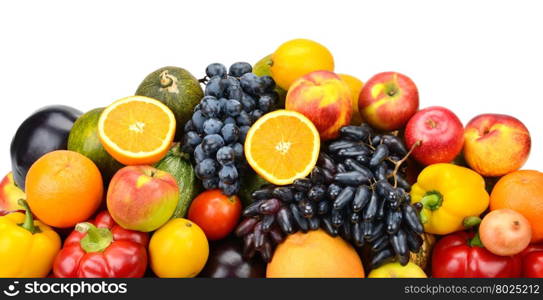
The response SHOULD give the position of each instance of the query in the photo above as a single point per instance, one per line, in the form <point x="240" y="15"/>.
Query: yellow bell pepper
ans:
<point x="452" y="197"/>
<point x="27" y="247"/>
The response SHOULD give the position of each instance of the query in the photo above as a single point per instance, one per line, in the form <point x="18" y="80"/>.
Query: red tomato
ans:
<point x="216" y="213"/>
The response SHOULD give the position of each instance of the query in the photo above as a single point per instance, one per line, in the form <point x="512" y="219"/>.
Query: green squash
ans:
<point x="175" y="87"/>
<point x="84" y="139"/>
<point x="263" y="68"/>
<point x="177" y="163"/>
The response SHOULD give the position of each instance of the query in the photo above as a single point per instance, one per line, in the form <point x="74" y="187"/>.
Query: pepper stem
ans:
<point x="28" y="224"/>
<point x="471" y="221"/>
<point x="432" y="200"/>
<point x="95" y="239"/>
<point x="476" y="241"/>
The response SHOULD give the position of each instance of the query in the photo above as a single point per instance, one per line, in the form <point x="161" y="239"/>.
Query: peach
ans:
<point x="388" y="100"/>
<point x="142" y="198"/>
<point x="323" y="98"/>
<point x="496" y="144"/>
<point x="505" y="232"/>
<point x="9" y="195"/>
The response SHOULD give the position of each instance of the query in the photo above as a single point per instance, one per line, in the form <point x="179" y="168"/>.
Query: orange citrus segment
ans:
<point x="137" y="130"/>
<point x="282" y="146"/>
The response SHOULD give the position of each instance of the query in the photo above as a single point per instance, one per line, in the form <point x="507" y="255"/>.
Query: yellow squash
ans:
<point x="452" y="197"/>
<point x="28" y="247"/>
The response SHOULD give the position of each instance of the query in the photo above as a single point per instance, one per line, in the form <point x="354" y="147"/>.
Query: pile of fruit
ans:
<point x="281" y="169"/>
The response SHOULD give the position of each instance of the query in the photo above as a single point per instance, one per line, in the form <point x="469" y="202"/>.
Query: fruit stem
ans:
<point x="476" y="241"/>
<point x="471" y="221"/>
<point x="95" y="239"/>
<point x="397" y="164"/>
<point x="28" y="224"/>
<point x="432" y="200"/>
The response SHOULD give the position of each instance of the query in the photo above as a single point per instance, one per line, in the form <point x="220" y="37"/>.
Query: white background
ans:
<point x="470" y="56"/>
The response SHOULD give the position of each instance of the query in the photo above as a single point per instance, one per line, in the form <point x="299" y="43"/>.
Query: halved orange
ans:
<point x="137" y="130"/>
<point x="282" y="146"/>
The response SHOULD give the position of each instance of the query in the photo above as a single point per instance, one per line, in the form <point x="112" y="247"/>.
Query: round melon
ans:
<point x="84" y="139"/>
<point x="175" y="87"/>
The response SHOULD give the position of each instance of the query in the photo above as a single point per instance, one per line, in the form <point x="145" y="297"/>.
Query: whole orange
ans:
<point x="315" y="255"/>
<point x="521" y="191"/>
<point x="64" y="188"/>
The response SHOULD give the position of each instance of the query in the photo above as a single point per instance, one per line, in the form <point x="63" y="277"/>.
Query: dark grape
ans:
<point x="198" y="120"/>
<point x="302" y="184"/>
<point x="243" y="132"/>
<point x="214" y="87"/>
<point x="354" y="132"/>
<point x="212" y="126"/>
<point x="230" y="133"/>
<point x="361" y="198"/>
<point x="233" y="108"/>
<point x="250" y="83"/>
<point x="192" y="139"/>
<point x="270" y="206"/>
<point x="284" y="219"/>
<point x="238" y="151"/>
<point x="239" y="68"/>
<point x="323" y="208"/>
<point x="228" y="174"/>
<point x="229" y="189"/>
<point x="381" y="152"/>
<point x="243" y="118"/>
<point x="210" y="107"/>
<point x="263" y="193"/>
<point x="207" y="168"/>
<point x="344" y="198"/>
<point x="248" y="102"/>
<point x="210" y="183"/>
<point x="199" y="154"/>
<point x="283" y="193"/>
<point x="316" y="193"/>
<point x="265" y="103"/>
<point x="216" y="69"/>
<point x="212" y="143"/>
<point x="268" y="83"/>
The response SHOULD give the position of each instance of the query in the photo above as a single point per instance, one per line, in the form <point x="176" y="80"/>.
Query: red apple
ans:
<point x="10" y="195"/>
<point x="142" y="198"/>
<point x="439" y="134"/>
<point x="388" y="100"/>
<point x="324" y="99"/>
<point x="496" y="144"/>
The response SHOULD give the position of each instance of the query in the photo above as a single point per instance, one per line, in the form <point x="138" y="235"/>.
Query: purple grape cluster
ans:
<point x="357" y="190"/>
<point x="214" y="136"/>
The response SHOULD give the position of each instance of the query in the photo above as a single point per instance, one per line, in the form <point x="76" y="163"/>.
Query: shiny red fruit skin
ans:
<point x="126" y="256"/>
<point x="453" y="257"/>
<point x="440" y="132"/>
<point x="532" y="261"/>
<point x="216" y="213"/>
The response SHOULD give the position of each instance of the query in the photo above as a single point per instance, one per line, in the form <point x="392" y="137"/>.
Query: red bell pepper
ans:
<point x="102" y="249"/>
<point x="461" y="255"/>
<point x="532" y="261"/>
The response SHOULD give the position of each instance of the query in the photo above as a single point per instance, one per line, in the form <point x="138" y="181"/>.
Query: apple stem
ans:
<point x="397" y="164"/>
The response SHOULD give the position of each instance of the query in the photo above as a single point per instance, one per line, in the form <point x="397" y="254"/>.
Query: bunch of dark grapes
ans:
<point x="357" y="191"/>
<point x="214" y="136"/>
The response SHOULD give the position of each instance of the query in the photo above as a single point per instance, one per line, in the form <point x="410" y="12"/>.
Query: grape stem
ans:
<point x="203" y="80"/>
<point x="397" y="164"/>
